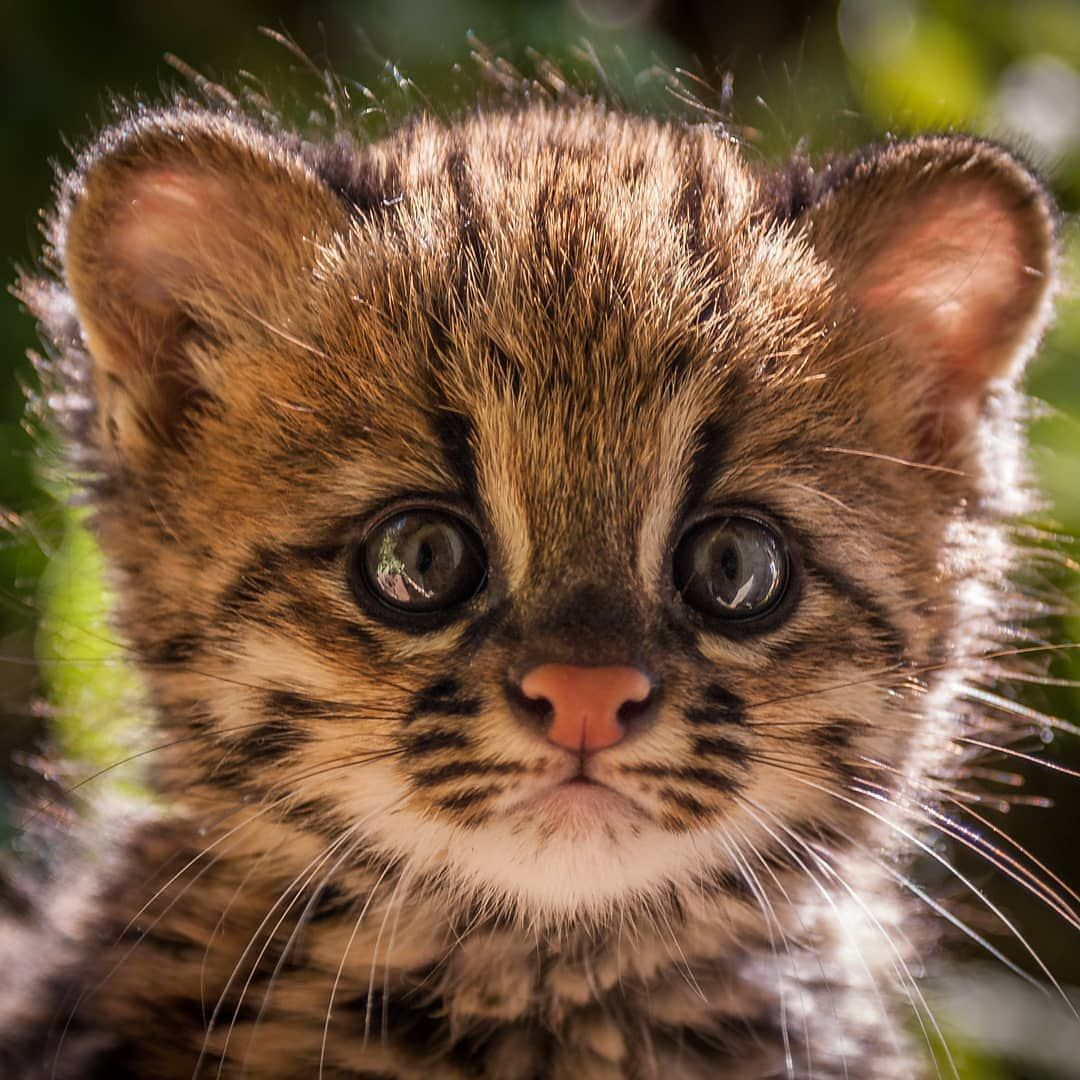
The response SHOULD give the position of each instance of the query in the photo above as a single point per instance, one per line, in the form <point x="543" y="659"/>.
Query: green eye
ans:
<point x="733" y="568"/>
<point x="421" y="561"/>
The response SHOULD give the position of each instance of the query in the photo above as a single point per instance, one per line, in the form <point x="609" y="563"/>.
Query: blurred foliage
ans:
<point x="809" y="76"/>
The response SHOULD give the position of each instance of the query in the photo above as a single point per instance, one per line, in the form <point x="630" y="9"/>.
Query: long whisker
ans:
<point x="1002" y="860"/>
<point x="927" y="849"/>
<point x="909" y="984"/>
<point x="341" y="967"/>
<point x="771" y="921"/>
<point x="911" y="989"/>
<point x="296" y="887"/>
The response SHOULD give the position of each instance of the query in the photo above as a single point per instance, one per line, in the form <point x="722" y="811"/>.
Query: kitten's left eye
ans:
<point x="421" y="561"/>
<point x="732" y="568"/>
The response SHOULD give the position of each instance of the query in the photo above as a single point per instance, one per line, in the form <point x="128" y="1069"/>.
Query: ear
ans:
<point x="174" y="229"/>
<point x="947" y="247"/>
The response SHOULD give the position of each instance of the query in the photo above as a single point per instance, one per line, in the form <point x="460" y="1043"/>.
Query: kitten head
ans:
<point x="548" y="498"/>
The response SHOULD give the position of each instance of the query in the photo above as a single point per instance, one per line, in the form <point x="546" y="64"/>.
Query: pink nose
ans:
<point x="585" y="701"/>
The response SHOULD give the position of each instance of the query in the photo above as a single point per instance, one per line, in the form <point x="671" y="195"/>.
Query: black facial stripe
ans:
<point x="709" y="778"/>
<point x="175" y="650"/>
<point x="430" y="742"/>
<point x="272" y="740"/>
<point x="254" y="581"/>
<point x="722" y="707"/>
<point x="836" y="733"/>
<point x="439" y="699"/>
<point x="318" y="815"/>
<point x="456" y="440"/>
<point x="299" y="706"/>
<point x="463" y="800"/>
<point x="331" y="902"/>
<point x="455" y="770"/>
<point x="309" y="613"/>
<point x="705" y="464"/>
<point x="886" y="630"/>
<point x="684" y="801"/>
<point x="718" y="746"/>
<point x="319" y="556"/>
<point x="728" y="883"/>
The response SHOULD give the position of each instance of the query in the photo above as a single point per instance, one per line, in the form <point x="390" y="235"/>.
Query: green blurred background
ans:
<point x="789" y="77"/>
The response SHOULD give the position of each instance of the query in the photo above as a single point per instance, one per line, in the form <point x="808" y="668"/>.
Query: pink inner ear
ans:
<point x="951" y="274"/>
<point x="167" y="223"/>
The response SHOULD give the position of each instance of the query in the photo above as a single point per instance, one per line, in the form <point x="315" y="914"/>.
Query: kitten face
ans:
<point x="570" y="346"/>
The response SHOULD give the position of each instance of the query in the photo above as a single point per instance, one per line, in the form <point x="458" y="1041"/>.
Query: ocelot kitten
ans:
<point x="559" y="554"/>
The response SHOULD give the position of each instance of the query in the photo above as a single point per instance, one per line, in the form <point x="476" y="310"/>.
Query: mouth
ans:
<point x="581" y="802"/>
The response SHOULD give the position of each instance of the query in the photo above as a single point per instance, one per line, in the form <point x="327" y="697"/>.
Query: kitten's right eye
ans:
<point x="421" y="561"/>
<point x="734" y="569"/>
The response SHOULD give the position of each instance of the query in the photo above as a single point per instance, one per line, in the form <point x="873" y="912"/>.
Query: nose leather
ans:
<point x="585" y="701"/>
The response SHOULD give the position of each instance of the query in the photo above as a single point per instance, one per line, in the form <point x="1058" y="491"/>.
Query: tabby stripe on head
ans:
<point x="687" y="210"/>
<point x="454" y="431"/>
<point x="363" y="189"/>
<point x="472" y="243"/>
<point x="705" y="464"/>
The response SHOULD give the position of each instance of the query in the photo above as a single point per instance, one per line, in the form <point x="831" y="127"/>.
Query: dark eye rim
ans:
<point x="367" y="597"/>
<point x="759" y="623"/>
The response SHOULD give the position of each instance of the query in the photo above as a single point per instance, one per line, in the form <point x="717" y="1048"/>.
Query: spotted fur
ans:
<point x="581" y="330"/>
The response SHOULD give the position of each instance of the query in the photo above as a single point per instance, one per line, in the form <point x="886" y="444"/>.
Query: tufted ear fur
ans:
<point x="177" y="232"/>
<point x="947" y="245"/>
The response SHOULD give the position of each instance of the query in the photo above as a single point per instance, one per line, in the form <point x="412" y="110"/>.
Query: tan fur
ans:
<point x="282" y="336"/>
